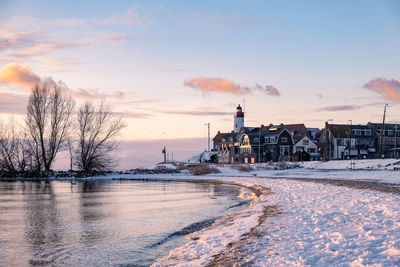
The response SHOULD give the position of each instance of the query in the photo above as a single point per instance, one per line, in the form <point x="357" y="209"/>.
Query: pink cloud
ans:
<point x="25" y="78"/>
<point x="389" y="89"/>
<point x="268" y="90"/>
<point x="207" y="85"/>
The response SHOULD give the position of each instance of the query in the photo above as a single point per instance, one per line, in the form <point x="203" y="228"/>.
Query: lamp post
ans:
<point x="208" y="125"/>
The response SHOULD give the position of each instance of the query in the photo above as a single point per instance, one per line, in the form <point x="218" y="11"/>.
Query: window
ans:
<point x="284" y="139"/>
<point x="367" y="132"/>
<point x="245" y="150"/>
<point x="311" y="150"/>
<point x="299" y="149"/>
<point x="357" y="132"/>
<point x="244" y="141"/>
<point x="284" y="150"/>
<point x="256" y="140"/>
<point x="272" y="139"/>
<point x="305" y="142"/>
<point x="266" y="139"/>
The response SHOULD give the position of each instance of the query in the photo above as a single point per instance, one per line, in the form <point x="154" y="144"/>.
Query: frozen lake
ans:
<point x="104" y="223"/>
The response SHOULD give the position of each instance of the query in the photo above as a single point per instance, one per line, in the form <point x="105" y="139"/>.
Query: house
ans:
<point x="217" y="140"/>
<point x="305" y="144"/>
<point x="347" y="141"/>
<point x="297" y="131"/>
<point x="226" y="148"/>
<point x="387" y="142"/>
<point x="314" y="134"/>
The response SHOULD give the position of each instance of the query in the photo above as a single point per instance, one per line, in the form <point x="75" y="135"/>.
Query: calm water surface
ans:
<point x="103" y="224"/>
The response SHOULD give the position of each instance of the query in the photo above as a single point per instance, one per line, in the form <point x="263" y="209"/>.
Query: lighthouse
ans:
<point x="239" y="119"/>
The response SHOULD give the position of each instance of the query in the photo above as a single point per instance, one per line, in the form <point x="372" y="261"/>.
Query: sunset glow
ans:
<point x="170" y="67"/>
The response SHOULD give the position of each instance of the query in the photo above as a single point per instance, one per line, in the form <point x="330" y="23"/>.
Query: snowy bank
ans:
<point x="364" y="164"/>
<point x="316" y="224"/>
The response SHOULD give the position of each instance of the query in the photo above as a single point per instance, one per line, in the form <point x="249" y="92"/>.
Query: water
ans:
<point x="103" y="224"/>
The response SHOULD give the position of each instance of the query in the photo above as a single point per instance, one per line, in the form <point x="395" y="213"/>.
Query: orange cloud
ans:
<point x="207" y="85"/>
<point x="24" y="77"/>
<point x="20" y="75"/>
<point x="389" y="89"/>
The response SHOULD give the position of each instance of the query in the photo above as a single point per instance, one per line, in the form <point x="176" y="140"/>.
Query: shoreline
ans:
<point x="260" y="208"/>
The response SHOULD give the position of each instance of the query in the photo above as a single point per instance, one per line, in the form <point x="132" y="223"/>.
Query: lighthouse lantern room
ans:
<point x="239" y="119"/>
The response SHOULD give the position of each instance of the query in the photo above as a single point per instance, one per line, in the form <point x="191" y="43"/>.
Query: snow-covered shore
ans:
<point x="316" y="224"/>
<point x="313" y="224"/>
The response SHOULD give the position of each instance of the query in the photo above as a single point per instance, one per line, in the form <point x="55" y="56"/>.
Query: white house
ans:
<point x="305" y="144"/>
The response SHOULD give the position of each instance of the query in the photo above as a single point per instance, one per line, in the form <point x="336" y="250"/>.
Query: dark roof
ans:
<point x="318" y="130"/>
<point x="343" y="130"/>
<point x="255" y="134"/>
<point x="297" y="138"/>
<point x="388" y="126"/>
<point x="228" y="136"/>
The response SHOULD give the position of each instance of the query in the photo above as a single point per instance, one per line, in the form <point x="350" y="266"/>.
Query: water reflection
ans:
<point x="102" y="224"/>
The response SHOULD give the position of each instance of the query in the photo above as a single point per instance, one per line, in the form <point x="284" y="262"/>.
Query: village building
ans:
<point x="297" y="131"/>
<point x="314" y="134"/>
<point x="387" y="142"/>
<point x="346" y="141"/>
<point x="305" y="144"/>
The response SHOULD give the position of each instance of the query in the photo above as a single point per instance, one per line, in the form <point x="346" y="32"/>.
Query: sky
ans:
<point x="169" y="67"/>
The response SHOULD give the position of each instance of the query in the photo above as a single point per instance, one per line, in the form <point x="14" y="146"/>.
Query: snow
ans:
<point x="358" y="164"/>
<point x="317" y="224"/>
<point x="202" y="157"/>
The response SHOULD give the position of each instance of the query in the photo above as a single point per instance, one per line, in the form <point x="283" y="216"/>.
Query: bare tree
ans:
<point x="48" y="122"/>
<point x="12" y="148"/>
<point x="8" y="149"/>
<point x="97" y="128"/>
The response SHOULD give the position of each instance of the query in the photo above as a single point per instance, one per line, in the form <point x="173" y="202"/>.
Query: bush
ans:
<point x="200" y="169"/>
<point x="245" y="168"/>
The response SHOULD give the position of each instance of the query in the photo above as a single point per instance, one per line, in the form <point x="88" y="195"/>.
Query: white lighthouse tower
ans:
<point x="239" y="119"/>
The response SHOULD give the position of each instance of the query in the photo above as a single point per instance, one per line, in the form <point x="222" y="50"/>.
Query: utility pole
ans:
<point x="329" y="138"/>
<point x="259" y="144"/>
<point x="395" y="142"/>
<point x="164" y="151"/>
<point x="382" y="132"/>
<point x="351" y="126"/>
<point x="208" y="125"/>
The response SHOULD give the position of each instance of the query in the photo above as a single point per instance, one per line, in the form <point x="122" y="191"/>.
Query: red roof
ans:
<point x="219" y="136"/>
<point x="295" y="127"/>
